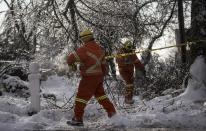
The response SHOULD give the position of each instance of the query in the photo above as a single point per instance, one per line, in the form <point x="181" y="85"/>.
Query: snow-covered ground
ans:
<point x="187" y="111"/>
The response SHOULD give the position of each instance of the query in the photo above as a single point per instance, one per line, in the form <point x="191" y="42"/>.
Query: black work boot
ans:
<point x="128" y="100"/>
<point x="75" y="122"/>
<point x="129" y="96"/>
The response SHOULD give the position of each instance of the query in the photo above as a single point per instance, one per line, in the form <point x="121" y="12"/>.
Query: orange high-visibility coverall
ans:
<point x="92" y="68"/>
<point x="126" y="65"/>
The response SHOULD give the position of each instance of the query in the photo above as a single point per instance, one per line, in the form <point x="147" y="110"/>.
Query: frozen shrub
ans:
<point x="161" y="76"/>
<point x="14" y="84"/>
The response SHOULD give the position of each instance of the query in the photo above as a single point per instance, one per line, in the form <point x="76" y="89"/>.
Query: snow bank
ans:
<point x="196" y="88"/>
<point x="184" y="111"/>
<point x="119" y="120"/>
<point x="60" y="86"/>
<point x="198" y="69"/>
<point x="14" y="105"/>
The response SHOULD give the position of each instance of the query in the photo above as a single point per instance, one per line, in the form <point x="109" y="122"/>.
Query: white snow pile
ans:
<point x="186" y="111"/>
<point x="196" y="89"/>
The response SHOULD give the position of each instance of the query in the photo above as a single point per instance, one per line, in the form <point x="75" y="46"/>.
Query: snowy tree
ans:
<point x="197" y="33"/>
<point x="49" y="26"/>
<point x="137" y="20"/>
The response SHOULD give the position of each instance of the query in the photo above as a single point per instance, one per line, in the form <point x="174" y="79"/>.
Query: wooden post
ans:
<point x="34" y="86"/>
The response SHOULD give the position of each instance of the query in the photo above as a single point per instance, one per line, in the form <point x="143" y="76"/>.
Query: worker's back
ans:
<point x="91" y="58"/>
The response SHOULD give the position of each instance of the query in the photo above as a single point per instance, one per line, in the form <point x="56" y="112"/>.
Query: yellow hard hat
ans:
<point x="86" y="35"/>
<point x="128" y="45"/>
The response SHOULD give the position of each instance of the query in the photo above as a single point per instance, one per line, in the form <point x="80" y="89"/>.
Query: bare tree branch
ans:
<point x="159" y="35"/>
<point x="58" y="19"/>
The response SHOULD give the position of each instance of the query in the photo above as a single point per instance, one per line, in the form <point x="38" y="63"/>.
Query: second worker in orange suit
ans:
<point x="92" y="68"/>
<point x="126" y="65"/>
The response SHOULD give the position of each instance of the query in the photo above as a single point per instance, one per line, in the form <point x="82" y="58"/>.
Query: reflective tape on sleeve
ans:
<point x="101" y="98"/>
<point x="129" y="85"/>
<point x="76" y="57"/>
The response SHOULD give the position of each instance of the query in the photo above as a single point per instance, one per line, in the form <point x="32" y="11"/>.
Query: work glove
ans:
<point x="140" y="73"/>
<point x="72" y="68"/>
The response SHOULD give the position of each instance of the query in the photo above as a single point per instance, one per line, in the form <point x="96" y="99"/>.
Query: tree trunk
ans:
<point x="198" y="28"/>
<point x="181" y="31"/>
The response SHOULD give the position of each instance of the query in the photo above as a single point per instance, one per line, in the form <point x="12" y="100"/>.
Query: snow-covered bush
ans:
<point x="19" y="71"/>
<point x="14" y="84"/>
<point x="163" y="75"/>
<point x="14" y="68"/>
<point x="162" y="78"/>
<point x="13" y="78"/>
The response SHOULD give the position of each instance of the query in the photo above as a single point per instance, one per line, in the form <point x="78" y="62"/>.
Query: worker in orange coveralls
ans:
<point x="92" y="69"/>
<point x="126" y="65"/>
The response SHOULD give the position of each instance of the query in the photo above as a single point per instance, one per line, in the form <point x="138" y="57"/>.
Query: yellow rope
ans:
<point x="136" y="52"/>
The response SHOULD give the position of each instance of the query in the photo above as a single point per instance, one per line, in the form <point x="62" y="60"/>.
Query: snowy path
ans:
<point x="157" y="113"/>
<point x="164" y="113"/>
